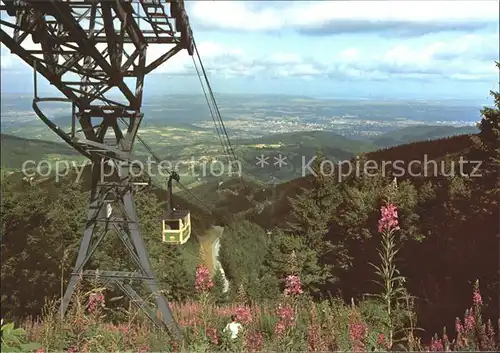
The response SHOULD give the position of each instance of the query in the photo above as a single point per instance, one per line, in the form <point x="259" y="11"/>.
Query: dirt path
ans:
<point x="209" y="243"/>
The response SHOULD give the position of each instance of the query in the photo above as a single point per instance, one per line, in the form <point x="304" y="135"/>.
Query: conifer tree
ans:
<point x="293" y="264"/>
<point x="306" y="263"/>
<point x="166" y="260"/>
<point x="312" y="213"/>
<point x="241" y="294"/>
<point x="487" y="145"/>
<point x="218" y="290"/>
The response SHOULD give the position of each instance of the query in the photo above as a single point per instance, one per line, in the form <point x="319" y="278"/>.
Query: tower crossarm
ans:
<point x="103" y="42"/>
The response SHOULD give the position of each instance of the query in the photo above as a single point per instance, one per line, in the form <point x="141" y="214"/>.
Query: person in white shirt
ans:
<point x="234" y="327"/>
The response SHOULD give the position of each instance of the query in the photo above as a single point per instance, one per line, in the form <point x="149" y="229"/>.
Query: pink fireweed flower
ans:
<point x="286" y="316"/>
<point x="381" y="339"/>
<point x="212" y="335"/>
<point x="293" y="285"/>
<point x="490" y="336"/>
<point x="244" y="314"/>
<point x="279" y="328"/>
<point x="314" y="339"/>
<point x="285" y="313"/>
<point x="175" y="346"/>
<point x="458" y="326"/>
<point x="254" y="341"/>
<point x="469" y="321"/>
<point x="476" y="297"/>
<point x="203" y="281"/>
<point x="436" y="345"/>
<point x="389" y="218"/>
<point x="357" y="331"/>
<point x="95" y="300"/>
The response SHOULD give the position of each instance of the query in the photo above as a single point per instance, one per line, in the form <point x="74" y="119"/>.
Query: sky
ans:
<point x="328" y="49"/>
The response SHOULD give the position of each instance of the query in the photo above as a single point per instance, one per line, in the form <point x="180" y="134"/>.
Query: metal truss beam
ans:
<point x="87" y="49"/>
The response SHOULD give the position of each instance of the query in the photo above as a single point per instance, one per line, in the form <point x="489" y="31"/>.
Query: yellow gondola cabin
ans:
<point x="177" y="227"/>
<point x="176" y="223"/>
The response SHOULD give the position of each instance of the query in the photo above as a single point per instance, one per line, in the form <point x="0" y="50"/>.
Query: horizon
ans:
<point x="284" y="95"/>
<point x="447" y="100"/>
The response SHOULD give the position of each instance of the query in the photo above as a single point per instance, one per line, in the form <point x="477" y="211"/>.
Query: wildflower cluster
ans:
<point x="244" y="314"/>
<point x="471" y="334"/>
<point x="476" y="297"/>
<point x="382" y="341"/>
<point x="286" y="318"/>
<point x="254" y="341"/>
<point x="203" y="280"/>
<point x="357" y="332"/>
<point x="293" y="285"/>
<point x="436" y="345"/>
<point x="212" y="335"/>
<point x="96" y="300"/>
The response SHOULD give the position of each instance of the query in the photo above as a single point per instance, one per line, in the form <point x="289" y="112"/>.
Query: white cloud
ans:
<point x="467" y="57"/>
<point x="459" y="59"/>
<point x="462" y="59"/>
<point x="326" y="17"/>
<point x="7" y="60"/>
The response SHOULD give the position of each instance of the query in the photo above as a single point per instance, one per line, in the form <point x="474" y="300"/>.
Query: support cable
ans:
<point x="213" y="99"/>
<point x="158" y="160"/>
<point x="216" y="109"/>
<point x="212" y="113"/>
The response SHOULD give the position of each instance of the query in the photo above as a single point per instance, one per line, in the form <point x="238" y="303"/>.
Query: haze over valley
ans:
<point x="180" y="128"/>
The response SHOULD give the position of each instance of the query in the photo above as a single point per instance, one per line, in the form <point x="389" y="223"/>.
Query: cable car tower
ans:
<point x="87" y="49"/>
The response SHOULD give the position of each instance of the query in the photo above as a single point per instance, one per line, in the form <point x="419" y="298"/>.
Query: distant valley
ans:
<point x="181" y="131"/>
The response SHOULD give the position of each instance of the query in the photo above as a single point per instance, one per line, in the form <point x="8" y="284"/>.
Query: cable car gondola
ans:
<point x="176" y="223"/>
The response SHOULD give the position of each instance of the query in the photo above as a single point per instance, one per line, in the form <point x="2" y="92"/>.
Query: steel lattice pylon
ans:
<point x="91" y="39"/>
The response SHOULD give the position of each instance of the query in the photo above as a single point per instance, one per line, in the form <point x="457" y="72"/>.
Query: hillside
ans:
<point x="438" y="215"/>
<point x="310" y="139"/>
<point x="436" y="150"/>
<point x="52" y="214"/>
<point x="296" y="148"/>
<point x="419" y="133"/>
<point x="16" y="150"/>
<point x="262" y="193"/>
<point x="442" y="215"/>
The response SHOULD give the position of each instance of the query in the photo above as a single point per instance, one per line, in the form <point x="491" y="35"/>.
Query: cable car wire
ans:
<point x="228" y="148"/>
<point x="158" y="160"/>
<point x="214" y="102"/>
<point x="220" y="127"/>
<point x="217" y="128"/>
